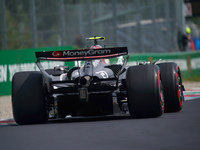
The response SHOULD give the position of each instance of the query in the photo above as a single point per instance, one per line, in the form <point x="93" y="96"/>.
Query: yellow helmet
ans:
<point x="188" y="30"/>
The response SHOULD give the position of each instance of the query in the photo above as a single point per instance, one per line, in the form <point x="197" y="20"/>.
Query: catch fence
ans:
<point x="141" y="25"/>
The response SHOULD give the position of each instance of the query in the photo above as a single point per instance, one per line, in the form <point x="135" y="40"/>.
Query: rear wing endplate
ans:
<point x="73" y="55"/>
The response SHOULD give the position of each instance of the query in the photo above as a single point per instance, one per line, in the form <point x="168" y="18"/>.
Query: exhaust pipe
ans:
<point x="85" y="81"/>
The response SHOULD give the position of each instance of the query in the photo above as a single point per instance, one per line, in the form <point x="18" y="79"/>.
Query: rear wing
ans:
<point x="73" y="55"/>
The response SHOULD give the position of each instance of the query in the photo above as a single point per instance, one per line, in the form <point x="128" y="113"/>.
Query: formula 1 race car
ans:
<point x="95" y="88"/>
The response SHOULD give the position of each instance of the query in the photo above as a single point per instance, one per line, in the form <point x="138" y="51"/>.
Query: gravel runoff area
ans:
<point x="6" y="105"/>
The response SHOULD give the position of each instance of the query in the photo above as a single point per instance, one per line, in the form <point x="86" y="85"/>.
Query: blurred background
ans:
<point x="151" y="29"/>
<point x="141" y="25"/>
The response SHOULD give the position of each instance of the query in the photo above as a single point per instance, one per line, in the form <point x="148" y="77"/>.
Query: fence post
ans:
<point x="90" y="29"/>
<point x="33" y="23"/>
<point x="100" y="14"/>
<point x="61" y="23"/>
<point x="139" y="28"/>
<point x="115" y="22"/>
<point x="168" y="30"/>
<point x="80" y="20"/>
<point x="182" y="16"/>
<point x="3" y="25"/>
<point x="153" y="14"/>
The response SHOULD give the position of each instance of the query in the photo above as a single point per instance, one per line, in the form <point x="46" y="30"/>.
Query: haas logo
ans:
<point x="103" y="74"/>
<point x="56" y="54"/>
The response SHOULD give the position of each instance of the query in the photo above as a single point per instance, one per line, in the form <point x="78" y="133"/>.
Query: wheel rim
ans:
<point x="161" y="97"/>
<point x="180" y="92"/>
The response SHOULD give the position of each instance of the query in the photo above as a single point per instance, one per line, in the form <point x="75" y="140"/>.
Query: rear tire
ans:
<point x="144" y="91"/>
<point x="28" y="98"/>
<point x="172" y="85"/>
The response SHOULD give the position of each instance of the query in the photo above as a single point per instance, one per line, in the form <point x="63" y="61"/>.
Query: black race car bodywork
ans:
<point x="96" y="88"/>
<point x="86" y="90"/>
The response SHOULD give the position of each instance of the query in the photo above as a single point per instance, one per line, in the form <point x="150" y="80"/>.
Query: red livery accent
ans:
<point x="160" y="91"/>
<point x="177" y="86"/>
<point x="87" y="57"/>
<point x="56" y="54"/>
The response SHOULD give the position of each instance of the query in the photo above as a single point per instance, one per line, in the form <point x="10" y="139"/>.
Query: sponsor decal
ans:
<point x="7" y="71"/>
<point x="3" y="73"/>
<point x="56" y="54"/>
<point x="96" y="62"/>
<point x="195" y="63"/>
<point x="87" y="53"/>
<point x="103" y="74"/>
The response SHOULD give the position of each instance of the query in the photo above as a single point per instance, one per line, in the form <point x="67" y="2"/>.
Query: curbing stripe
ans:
<point x="5" y="121"/>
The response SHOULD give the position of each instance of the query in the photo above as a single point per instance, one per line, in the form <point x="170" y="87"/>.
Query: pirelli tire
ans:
<point x="172" y="85"/>
<point x="28" y="98"/>
<point x="144" y="91"/>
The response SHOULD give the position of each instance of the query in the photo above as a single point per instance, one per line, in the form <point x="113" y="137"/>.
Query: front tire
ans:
<point x="28" y="98"/>
<point x="144" y="91"/>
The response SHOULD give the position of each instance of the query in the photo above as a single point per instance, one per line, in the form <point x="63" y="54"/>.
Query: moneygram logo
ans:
<point x="56" y="54"/>
<point x="87" y="53"/>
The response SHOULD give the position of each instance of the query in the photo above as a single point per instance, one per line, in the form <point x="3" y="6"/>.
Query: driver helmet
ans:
<point x="95" y="46"/>
<point x="104" y="61"/>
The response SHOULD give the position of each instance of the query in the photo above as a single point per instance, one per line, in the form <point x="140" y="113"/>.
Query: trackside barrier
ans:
<point x="13" y="61"/>
<point x="189" y="62"/>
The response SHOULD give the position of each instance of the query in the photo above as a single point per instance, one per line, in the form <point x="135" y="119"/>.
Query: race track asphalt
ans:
<point x="171" y="131"/>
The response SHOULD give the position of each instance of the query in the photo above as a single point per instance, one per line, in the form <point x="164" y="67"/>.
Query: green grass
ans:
<point x="194" y="78"/>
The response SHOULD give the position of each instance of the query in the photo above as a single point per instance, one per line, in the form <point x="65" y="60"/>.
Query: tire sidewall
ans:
<point x="28" y="98"/>
<point x="143" y="91"/>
